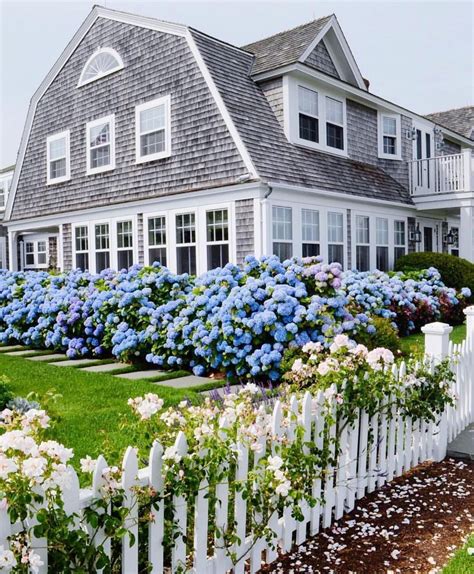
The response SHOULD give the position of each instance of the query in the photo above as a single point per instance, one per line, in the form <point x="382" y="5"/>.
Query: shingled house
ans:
<point x="150" y="141"/>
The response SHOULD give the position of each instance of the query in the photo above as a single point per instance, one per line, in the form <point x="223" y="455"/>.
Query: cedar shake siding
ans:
<point x="67" y="246"/>
<point x="362" y="141"/>
<point x="245" y="228"/>
<point x="273" y="90"/>
<point x="321" y="60"/>
<point x="155" y="64"/>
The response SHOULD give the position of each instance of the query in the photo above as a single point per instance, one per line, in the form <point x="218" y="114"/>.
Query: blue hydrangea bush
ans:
<point x="239" y="320"/>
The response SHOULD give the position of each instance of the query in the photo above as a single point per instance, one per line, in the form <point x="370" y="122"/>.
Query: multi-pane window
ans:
<point x="157" y="240"/>
<point x="42" y="252"/>
<point x="186" y="243"/>
<point x="282" y="226"/>
<point x="335" y="237"/>
<point x="362" y="243"/>
<point x="124" y="244"/>
<point x="381" y="236"/>
<point x="102" y="246"/>
<point x="103" y="62"/>
<point x="310" y="232"/>
<point x="334" y="123"/>
<point x="454" y="249"/>
<point x="100" y="145"/>
<point x="81" y="243"/>
<point x="58" y="158"/>
<point x="29" y="253"/>
<point x="308" y="114"/>
<point x="217" y="225"/>
<point x="153" y="130"/>
<point x="4" y="189"/>
<point x="399" y="239"/>
<point x="389" y="135"/>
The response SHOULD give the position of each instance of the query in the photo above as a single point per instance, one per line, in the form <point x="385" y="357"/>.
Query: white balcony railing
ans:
<point x="443" y="174"/>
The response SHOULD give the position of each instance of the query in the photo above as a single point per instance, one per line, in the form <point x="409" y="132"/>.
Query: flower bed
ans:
<point x="240" y="320"/>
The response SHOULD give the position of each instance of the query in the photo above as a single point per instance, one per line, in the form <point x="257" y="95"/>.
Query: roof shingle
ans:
<point x="460" y="120"/>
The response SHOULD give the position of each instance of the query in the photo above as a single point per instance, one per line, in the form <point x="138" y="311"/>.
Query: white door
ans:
<point x="423" y="170"/>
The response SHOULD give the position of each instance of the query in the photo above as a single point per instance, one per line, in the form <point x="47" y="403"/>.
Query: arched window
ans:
<point x="103" y="62"/>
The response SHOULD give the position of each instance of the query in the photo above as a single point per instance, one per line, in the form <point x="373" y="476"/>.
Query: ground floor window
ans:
<point x="36" y="253"/>
<point x="102" y="246"/>
<point x="3" y="253"/>
<point x="157" y="240"/>
<point x="81" y="239"/>
<point x="362" y="243"/>
<point x="282" y="230"/>
<point x="335" y="237"/>
<point x="454" y="248"/>
<point x="217" y="229"/>
<point x="186" y="243"/>
<point x="124" y="244"/>
<point x="381" y="237"/>
<point x="399" y="239"/>
<point x="310" y="233"/>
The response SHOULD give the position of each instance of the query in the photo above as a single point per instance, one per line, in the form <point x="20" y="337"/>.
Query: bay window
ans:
<point x="334" y="123"/>
<point x="102" y="246"/>
<point x="282" y="228"/>
<point x="81" y="244"/>
<point x="100" y="136"/>
<point x="381" y="249"/>
<point x="157" y="240"/>
<point x="58" y="158"/>
<point x="310" y="233"/>
<point x="335" y="237"/>
<point x="124" y="244"/>
<point x="308" y="114"/>
<point x="362" y="243"/>
<point x="186" y="243"/>
<point x="152" y="130"/>
<point x="217" y="228"/>
<point x="399" y="239"/>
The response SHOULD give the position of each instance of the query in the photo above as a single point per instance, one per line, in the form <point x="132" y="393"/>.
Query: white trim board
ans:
<point x="144" y="22"/>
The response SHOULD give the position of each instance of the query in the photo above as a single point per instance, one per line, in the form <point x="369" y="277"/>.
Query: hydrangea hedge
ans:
<point x="236" y="319"/>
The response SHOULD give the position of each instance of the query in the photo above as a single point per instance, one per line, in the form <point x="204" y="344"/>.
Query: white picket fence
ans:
<point x="362" y="465"/>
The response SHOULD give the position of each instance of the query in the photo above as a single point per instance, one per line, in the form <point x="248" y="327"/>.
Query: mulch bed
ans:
<point x="414" y="524"/>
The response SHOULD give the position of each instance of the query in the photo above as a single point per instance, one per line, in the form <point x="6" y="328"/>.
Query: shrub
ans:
<point x="386" y="335"/>
<point x="6" y="394"/>
<point x="455" y="271"/>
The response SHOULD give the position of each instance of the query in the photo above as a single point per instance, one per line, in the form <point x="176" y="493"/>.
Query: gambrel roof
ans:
<point x="460" y="120"/>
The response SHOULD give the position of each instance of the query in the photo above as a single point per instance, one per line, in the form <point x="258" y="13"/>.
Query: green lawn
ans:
<point x="461" y="562"/>
<point x="415" y="343"/>
<point x="91" y="403"/>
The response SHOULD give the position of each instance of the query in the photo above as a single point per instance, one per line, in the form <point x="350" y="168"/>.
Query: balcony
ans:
<point x="449" y="174"/>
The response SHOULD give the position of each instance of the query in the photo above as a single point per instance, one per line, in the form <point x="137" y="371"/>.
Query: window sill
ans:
<point x="318" y="147"/>
<point x="58" y="180"/>
<point x="152" y="157"/>
<point x="389" y="156"/>
<point x="97" y="170"/>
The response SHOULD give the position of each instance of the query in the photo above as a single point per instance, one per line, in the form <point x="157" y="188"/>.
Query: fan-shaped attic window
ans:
<point x="103" y="62"/>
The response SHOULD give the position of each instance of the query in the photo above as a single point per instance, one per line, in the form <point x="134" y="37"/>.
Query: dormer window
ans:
<point x="389" y="136"/>
<point x="308" y="114"/>
<point x="103" y="62"/>
<point x="334" y="123"/>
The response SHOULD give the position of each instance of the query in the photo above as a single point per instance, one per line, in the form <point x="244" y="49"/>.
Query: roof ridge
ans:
<point x="288" y="30"/>
<point x="451" y="110"/>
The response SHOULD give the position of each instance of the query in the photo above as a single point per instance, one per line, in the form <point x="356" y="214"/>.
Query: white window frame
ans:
<point x="343" y="125"/>
<point x="196" y="243"/>
<point x="386" y="245"/>
<point x="344" y="235"/>
<point x="285" y="240"/>
<point x="50" y="139"/>
<point x="116" y="234"/>
<point x="220" y="242"/>
<point x="310" y="241"/>
<point x="111" y="121"/>
<point x="405" y="234"/>
<point x="146" y="237"/>
<point x="398" y="136"/>
<point x="166" y="102"/>
<point x="35" y="240"/>
<point x="3" y="253"/>
<point x="291" y="114"/>
<point x="118" y="67"/>
<point x="363" y="243"/>
<point x="93" y="249"/>
<point x="81" y="251"/>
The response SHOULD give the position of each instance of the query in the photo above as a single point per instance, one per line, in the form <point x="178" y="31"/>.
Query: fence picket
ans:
<point x="156" y="526"/>
<point x="373" y="450"/>
<point x="178" y="551"/>
<point x="329" y="498"/>
<point x="305" y="509"/>
<point x="240" y="509"/>
<point x="201" y="517"/>
<point x="99" y="538"/>
<point x="221" y="513"/>
<point x="363" y="454"/>
<point x="319" y="442"/>
<point x="130" y="540"/>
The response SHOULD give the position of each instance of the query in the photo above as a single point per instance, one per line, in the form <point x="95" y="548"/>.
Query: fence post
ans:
<point x="469" y="312"/>
<point x="437" y="349"/>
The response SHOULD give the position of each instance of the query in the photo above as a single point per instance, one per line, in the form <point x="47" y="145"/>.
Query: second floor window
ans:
<point x="389" y="136"/>
<point x="100" y="145"/>
<point x="308" y="114"/>
<point x="334" y="123"/>
<point x="152" y="126"/>
<point x="58" y="158"/>
<point x="282" y="226"/>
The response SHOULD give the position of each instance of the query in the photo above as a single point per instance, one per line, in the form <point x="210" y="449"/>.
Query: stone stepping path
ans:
<point x="20" y="353"/>
<point x="104" y="368"/>
<point x="74" y="363"/>
<point x="136" y="375"/>
<point x="185" y="382"/>
<point x="222" y="391"/>
<point x="463" y="445"/>
<point x="45" y="358"/>
<point x="8" y="348"/>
